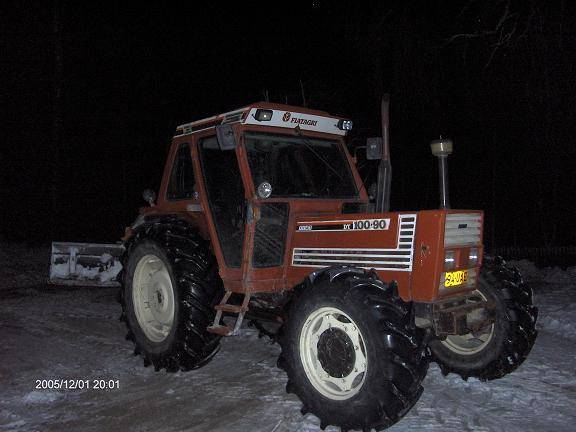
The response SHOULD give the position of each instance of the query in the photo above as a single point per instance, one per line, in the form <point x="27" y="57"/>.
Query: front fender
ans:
<point x="334" y="272"/>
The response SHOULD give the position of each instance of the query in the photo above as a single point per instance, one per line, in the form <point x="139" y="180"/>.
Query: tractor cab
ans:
<point x="245" y="176"/>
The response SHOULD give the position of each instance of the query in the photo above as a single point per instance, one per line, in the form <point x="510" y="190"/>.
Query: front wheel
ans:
<point x="351" y="353"/>
<point x="500" y="348"/>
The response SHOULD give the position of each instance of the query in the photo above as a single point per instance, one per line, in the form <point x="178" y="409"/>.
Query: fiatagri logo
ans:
<point x="287" y="117"/>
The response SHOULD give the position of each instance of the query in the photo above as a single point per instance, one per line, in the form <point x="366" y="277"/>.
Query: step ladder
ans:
<point x="224" y="330"/>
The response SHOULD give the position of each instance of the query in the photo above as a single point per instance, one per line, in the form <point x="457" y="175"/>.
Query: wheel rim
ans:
<point x="153" y="298"/>
<point x="333" y="353"/>
<point x="471" y="343"/>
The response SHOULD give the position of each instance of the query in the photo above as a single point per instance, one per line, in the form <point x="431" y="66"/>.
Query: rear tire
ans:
<point x="506" y="345"/>
<point x="351" y="353"/>
<point x="170" y="287"/>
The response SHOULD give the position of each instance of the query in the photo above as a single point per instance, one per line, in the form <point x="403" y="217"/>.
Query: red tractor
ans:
<point x="261" y="215"/>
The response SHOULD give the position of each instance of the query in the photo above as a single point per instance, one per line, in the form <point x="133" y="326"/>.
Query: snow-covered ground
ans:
<point x="74" y="333"/>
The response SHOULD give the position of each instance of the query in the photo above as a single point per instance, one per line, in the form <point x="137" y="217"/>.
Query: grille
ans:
<point x="270" y="236"/>
<point x="381" y="259"/>
<point x="399" y="258"/>
<point x="462" y="229"/>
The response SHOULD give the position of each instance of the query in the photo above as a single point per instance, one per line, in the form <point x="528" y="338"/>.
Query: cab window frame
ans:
<point x="181" y="195"/>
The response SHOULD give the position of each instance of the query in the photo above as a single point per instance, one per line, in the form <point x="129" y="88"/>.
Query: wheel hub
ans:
<point x="153" y="298"/>
<point x="474" y="342"/>
<point x="336" y="352"/>
<point x="333" y="353"/>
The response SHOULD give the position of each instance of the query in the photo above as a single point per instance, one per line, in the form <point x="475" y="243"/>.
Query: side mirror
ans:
<point x="226" y="138"/>
<point x="149" y="196"/>
<point x="374" y="148"/>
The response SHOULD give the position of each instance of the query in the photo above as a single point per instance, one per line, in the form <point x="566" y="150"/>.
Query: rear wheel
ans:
<point x="471" y="344"/>
<point x="500" y="348"/>
<point x="351" y="353"/>
<point x="170" y="287"/>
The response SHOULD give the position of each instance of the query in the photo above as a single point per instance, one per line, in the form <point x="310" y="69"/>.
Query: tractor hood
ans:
<point x="405" y="247"/>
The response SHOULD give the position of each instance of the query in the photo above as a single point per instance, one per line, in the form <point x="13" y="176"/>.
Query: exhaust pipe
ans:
<point x="442" y="148"/>
<point x="385" y="167"/>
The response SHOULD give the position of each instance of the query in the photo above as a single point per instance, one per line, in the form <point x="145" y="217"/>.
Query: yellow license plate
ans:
<point x="456" y="278"/>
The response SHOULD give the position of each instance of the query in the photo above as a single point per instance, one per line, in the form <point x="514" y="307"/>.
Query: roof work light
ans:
<point x="263" y="115"/>
<point x="345" y="124"/>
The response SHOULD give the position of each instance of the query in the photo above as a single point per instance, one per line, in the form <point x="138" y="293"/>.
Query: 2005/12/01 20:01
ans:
<point x="77" y="384"/>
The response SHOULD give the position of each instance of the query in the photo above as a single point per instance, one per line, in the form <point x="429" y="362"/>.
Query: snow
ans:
<point x="39" y="397"/>
<point x="68" y="266"/>
<point x="103" y="274"/>
<point x="554" y="291"/>
<point x="52" y="332"/>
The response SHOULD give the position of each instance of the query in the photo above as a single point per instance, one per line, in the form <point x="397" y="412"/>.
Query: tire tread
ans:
<point x="399" y="390"/>
<point x="200" y="288"/>
<point x="521" y="316"/>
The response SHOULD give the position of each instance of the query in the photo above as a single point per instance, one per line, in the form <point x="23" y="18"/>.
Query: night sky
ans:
<point x="91" y="93"/>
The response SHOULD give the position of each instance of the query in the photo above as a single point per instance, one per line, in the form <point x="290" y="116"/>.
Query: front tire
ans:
<point x="351" y="353"/>
<point x="503" y="346"/>
<point x="170" y="287"/>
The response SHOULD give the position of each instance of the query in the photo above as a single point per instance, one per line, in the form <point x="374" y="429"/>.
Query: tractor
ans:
<point x="262" y="216"/>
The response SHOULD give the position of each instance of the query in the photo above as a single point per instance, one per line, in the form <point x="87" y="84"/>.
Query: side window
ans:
<point x="181" y="184"/>
<point x="226" y="197"/>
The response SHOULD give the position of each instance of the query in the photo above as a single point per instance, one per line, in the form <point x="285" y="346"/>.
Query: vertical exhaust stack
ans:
<point x="442" y="148"/>
<point x="385" y="167"/>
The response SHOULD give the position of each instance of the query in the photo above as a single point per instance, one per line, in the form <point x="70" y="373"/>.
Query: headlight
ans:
<point x="264" y="190"/>
<point x="345" y="124"/>
<point x="449" y="260"/>
<point x="473" y="257"/>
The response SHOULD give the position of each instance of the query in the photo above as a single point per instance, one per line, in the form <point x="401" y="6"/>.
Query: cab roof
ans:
<point x="278" y="115"/>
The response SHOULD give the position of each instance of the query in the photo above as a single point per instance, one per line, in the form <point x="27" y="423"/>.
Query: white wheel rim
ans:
<point x="469" y="343"/>
<point x="325" y="326"/>
<point x="153" y="298"/>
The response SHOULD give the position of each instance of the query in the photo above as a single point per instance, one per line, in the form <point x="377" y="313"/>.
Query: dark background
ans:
<point x="91" y="93"/>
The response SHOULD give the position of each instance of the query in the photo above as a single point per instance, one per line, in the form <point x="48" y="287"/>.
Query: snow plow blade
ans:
<point x="85" y="264"/>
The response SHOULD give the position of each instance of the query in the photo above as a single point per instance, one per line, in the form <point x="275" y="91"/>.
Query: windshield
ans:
<point x="298" y="166"/>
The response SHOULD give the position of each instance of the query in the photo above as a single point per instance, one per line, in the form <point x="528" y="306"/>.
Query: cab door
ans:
<point x="267" y="225"/>
<point x="268" y="244"/>
<point x="225" y="198"/>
